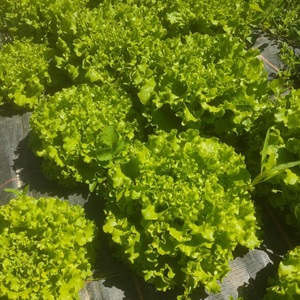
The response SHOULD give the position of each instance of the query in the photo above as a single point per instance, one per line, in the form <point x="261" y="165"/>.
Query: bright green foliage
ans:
<point x="284" y="147"/>
<point x="40" y="20"/>
<point x="211" y="83"/>
<point x="178" y="208"/>
<point x="45" y="249"/>
<point x="208" y="79"/>
<point x="287" y="285"/>
<point x="23" y="73"/>
<point x="288" y="133"/>
<point x="100" y="48"/>
<point x="48" y="18"/>
<point x="287" y="118"/>
<point x="291" y="60"/>
<point x="210" y="17"/>
<point x="79" y="130"/>
<point x="179" y="204"/>
<point x="285" y="26"/>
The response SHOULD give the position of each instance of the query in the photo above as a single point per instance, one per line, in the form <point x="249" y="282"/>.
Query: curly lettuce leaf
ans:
<point x="177" y="209"/>
<point x="24" y="73"/>
<point x="287" y="285"/>
<point x="281" y="157"/>
<point x="101" y="47"/>
<point x="80" y="130"/>
<point x="39" y="20"/>
<point x="182" y="17"/>
<point x="45" y="249"/>
<point x="210" y="83"/>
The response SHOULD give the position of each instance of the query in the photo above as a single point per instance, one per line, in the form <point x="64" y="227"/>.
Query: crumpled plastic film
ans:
<point x="13" y="128"/>
<point x="269" y="54"/>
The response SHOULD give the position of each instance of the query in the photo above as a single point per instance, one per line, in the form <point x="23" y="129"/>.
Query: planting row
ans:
<point x="164" y="111"/>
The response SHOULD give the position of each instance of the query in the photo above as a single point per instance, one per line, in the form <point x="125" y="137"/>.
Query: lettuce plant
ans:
<point x="42" y="19"/>
<point x="177" y="209"/>
<point x="209" y="83"/>
<point x="46" y="249"/>
<point x="123" y="26"/>
<point x="23" y="73"/>
<point x="80" y="130"/>
<point x="177" y="204"/>
<point x="38" y="20"/>
<point x="182" y="17"/>
<point x="287" y="285"/>
<point x="100" y="48"/>
<point x="283" y="149"/>
<point x="205" y="80"/>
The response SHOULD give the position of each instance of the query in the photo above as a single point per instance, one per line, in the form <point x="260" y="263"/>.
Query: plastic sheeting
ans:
<point x="269" y="55"/>
<point x="249" y="271"/>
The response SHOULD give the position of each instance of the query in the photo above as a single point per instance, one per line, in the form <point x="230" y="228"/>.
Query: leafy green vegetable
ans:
<point x="209" y="17"/>
<point x="103" y="76"/>
<point x="137" y="46"/>
<point x="23" y="73"/>
<point x="46" y="249"/>
<point x="281" y="156"/>
<point x="101" y="47"/>
<point x="287" y="285"/>
<point x="79" y="130"/>
<point x="210" y="83"/>
<point x="39" y="20"/>
<point x="269" y="168"/>
<point x="178" y="207"/>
